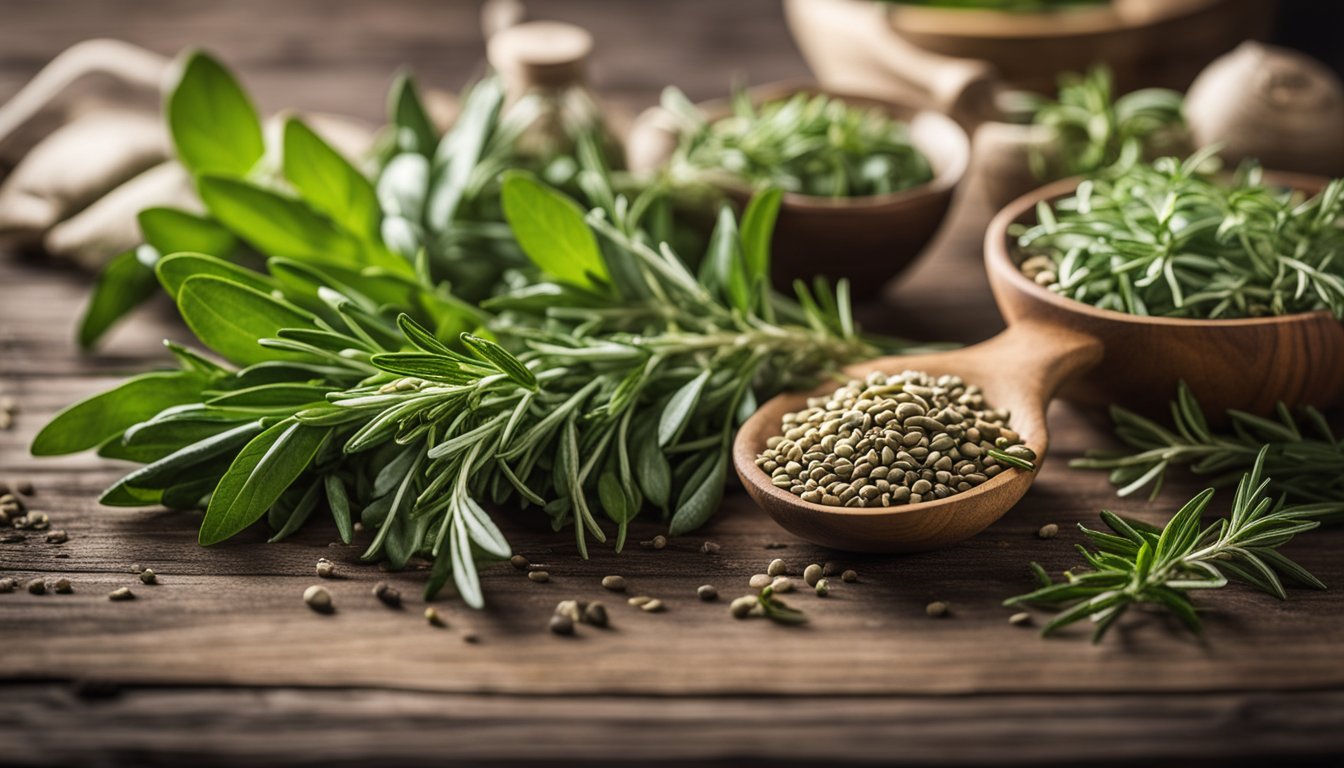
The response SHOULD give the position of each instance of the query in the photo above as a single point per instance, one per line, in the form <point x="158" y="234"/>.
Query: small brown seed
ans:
<point x="936" y="609"/>
<point x="777" y="567"/>
<point x="639" y="600"/>
<point x="387" y="594"/>
<point x="121" y="593"/>
<point x="25" y="487"/>
<point x="1048" y="531"/>
<point x="471" y="637"/>
<point x="317" y="598"/>
<point x="595" y="614"/>
<point x="1020" y="618"/>
<point x="147" y="576"/>
<point x="614" y="583"/>
<point x="653" y="606"/>
<point x="823" y="587"/>
<point x="812" y="574"/>
<point x="432" y="616"/>
<point x="760" y="581"/>
<point x="570" y="608"/>
<point x="63" y="587"/>
<point x="8" y="584"/>
<point x="539" y="577"/>
<point x="519" y="562"/>
<point x="57" y="537"/>
<point x="782" y="584"/>
<point x="849" y="577"/>
<point x="562" y="624"/>
<point x="37" y="587"/>
<point x="325" y="568"/>
<point x="707" y="592"/>
<point x="743" y="606"/>
<point x="709" y="547"/>
<point x="657" y="542"/>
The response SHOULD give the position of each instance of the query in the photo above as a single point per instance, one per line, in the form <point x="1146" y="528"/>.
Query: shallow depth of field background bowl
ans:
<point x="866" y="239"/>
<point x="1248" y="364"/>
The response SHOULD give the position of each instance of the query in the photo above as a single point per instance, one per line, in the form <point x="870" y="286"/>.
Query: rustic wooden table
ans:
<point x="222" y="663"/>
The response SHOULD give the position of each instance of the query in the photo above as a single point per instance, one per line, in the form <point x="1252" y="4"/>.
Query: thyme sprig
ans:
<point x="1301" y="452"/>
<point x="1135" y="564"/>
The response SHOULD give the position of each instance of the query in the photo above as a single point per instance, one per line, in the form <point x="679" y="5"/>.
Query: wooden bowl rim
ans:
<point x="943" y="182"/>
<point x="1024" y="26"/>
<point x="998" y="260"/>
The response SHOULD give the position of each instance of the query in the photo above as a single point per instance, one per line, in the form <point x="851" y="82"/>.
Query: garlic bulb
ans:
<point x="1278" y="106"/>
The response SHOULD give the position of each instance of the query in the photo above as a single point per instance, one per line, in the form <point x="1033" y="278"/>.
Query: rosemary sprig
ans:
<point x="808" y="144"/>
<point x="1136" y="564"/>
<point x="1302" y="454"/>
<point x="1169" y="239"/>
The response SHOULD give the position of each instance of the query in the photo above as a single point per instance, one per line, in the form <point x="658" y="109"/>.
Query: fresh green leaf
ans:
<point x="551" y="229"/>
<point x="214" y="126"/>
<point x="329" y="183"/>
<point x="124" y="284"/>
<point x="229" y="317"/>
<point x="261" y="472"/>
<point x="93" y="421"/>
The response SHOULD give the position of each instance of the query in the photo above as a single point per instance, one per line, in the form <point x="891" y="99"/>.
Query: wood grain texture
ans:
<point x="221" y="663"/>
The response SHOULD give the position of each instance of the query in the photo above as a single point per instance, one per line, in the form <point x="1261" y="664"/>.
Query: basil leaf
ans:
<point x="701" y="495"/>
<point x="415" y="130"/>
<point x="679" y="409"/>
<point x="551" y="230"/>
<point x="229" y="318"/>
<point x="278" y="225"/>
<point x="171" y="230"/>
<point x="214" y="126"/>
<point x="124" y="284"/>
<point x="758" y="226"/>
<point x="502" y="359"/>
<point x="175" y="269"/>
<point x="92" y="422"/>
<point x="328" y="182"/>
<point x="259" y="474"/>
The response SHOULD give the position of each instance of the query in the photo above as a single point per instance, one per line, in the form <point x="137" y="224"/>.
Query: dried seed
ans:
<point x="57" y="537"/>
<point x="8" y="584"/>
<point x="849" y="577"/>
<point x="743" y="606"/>
<point x="147" y="576"/>
<point x="1020" y="618"/>
<point x="709" y="548"/>
<point x="121" y="593"/>
<point x="760" y="581"/>
<point x="707" y="592"/>
<point x="37" y="587"/>
<point x="63" y="587"/>
<point x="782" y="584"/>
<point x="812" y="574"/>
<point x="823" y="587"/>
<point x="325" y="568"/>
<point x="519" y="562"/>
<point x="387" y="594"/>
<point x="614" y="583"/>
<point x="1048" y="531"/>
<point x="595" y="614"/>
<point x="471" y="637"/>
<point x="936" y="609"/>
<point x="653" y="606"/>
<point x="570" y="608"/>
<point x="657" y="542"/>
<point x="539" y="577"/>
<point x="777" y="567"/>
<point x="317" y="598"/>
<point x="639" y="600"/>
<point x="432" y="616"/>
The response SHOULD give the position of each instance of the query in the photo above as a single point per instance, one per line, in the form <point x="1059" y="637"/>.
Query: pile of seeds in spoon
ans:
<point x="893" y="440"/>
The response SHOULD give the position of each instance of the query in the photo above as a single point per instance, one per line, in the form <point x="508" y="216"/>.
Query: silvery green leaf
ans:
<point x="679" y="408"/>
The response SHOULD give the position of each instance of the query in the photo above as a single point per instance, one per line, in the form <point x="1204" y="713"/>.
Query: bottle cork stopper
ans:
<point x="548" y="54"/>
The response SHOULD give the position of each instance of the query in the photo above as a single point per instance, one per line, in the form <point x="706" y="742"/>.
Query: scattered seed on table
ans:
<point x="936" y="609"/>
<point x="1048" y="531"/>
<point x="121" y="593"/>
<point x="387" y="594"/>
<point x="1020" y="618"/>
<point x="25" y="487"/>
<point x="823" y="587"/>
<point x="570" y="608"/>
<point x="707" y="592"/>
<point x="561" y="624"/>
<point x="812" y="574"/>
<point x="782" y="584"/>
<point x="317" y="598"/>
<point x="709" y="548"/>
<point x="8" y="584"/>
<point x="57" y="537"/>
<point x="136" y="568"/>
<point x="595" y="614"/>
<point x="325" y="568"/>
<point x="743" y="606"/>
<point x="358" y="527"/>
<point x="777" y="567"/>
<point x="471" y="637"/>
<point x="760" y="581"/>
<point x="519" y="562"/>
<point x="657" y="542"/>
<point x="539" y="577"/>
<point x="63" y="587"/>
<point x="639" y="600"/>
<point x="432" y="616"/>
<point x="614" y="583"/>
<point x="148" y="576"/>
<point x="37" y="587"/>
<point x="653" y="606"/>
<point x="38" y="521"/>
<point x="849" y="577"/>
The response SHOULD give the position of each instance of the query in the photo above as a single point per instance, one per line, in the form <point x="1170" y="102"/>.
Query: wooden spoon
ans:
<point x="1020" y="369"/>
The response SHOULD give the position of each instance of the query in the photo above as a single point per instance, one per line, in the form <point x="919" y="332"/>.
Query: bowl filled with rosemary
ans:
<point x="1229" y="282"/>
<point x="865" y="183"/>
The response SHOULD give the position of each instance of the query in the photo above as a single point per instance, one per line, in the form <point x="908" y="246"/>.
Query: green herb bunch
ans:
<point x="1094" y="130"/>
<point x="601" y="379"/>
<point x="1135" y="564"/>
<point x="1301" y="452"/>
<point x="805" y="144"/>
<point x="1168" y="239"/>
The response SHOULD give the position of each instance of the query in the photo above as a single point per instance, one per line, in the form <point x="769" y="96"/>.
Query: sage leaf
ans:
<point x="124" y="284"/>
<point x="552" y="231"/>
<point x="262" y="471"/>
<point x="701" y="494"/>
<point x="679" y="408"/>
<point x="175" y="269"/>
<point x="92" y="422"/>
<point x="229" y="318"/>
<point x="653" y="472"/>
<point x="339" y="502"/>
<point x="299" y="514"/>
<point x="278" y="225"/>
<point x="415" y="130"/>
<point x="171" y="230"/>
<point x="214" y="126"/>
<point x="329" y="183"/>
<point x="167" y="470"/>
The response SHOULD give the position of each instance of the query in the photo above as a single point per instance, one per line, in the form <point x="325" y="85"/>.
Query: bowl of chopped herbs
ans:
<point x="1232" y="282"/>
<point x="865" y="183"/>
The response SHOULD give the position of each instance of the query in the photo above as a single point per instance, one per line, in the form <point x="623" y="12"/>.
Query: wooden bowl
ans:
<point x="1247" y="364"/>
<point x="866" y="239"/>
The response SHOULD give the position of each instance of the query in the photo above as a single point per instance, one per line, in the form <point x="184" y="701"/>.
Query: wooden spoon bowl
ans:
<point x="1019" y="369"/>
